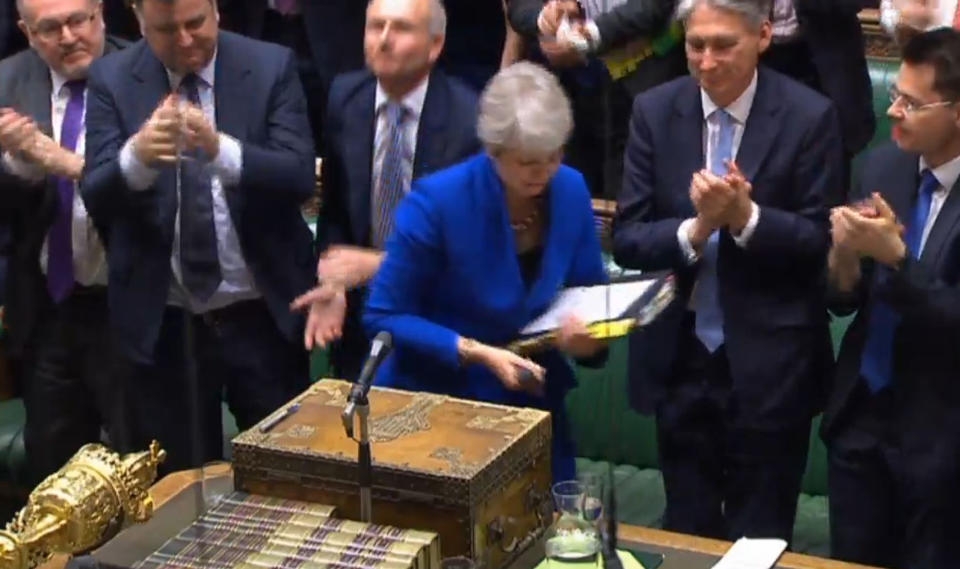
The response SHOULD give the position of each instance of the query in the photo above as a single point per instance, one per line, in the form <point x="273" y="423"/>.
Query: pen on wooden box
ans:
<point x="275" y="420"/>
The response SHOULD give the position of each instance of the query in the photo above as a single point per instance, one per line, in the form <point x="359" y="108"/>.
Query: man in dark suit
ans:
<point x="435" y="127"/>
<point x="891" y="424"/>
<point x="326" y="35"/>
<point x="820" y="43"/>
<point x="198" y="159"/>
<point x="725" y="183"/>
<point x="612" y="51"/>
<point x="56" y="309"/>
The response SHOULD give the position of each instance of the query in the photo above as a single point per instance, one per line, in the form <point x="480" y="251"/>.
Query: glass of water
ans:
<point x="572" y="541"/>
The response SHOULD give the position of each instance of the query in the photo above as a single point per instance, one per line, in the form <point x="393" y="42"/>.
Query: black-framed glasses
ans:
<point x="52" y="30"/>
<point x="909" y="105"/>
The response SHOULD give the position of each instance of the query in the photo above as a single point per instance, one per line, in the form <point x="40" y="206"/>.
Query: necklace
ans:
<point x="525" y="223"/>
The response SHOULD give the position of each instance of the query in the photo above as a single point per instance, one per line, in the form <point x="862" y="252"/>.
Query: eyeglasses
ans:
<point x="52" y="30"/>
<point x="910" y="106"/>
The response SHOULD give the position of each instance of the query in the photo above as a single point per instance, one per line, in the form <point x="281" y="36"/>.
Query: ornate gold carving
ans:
<point x="81" y="505"/>
<point x="454" y="458"/>
<point x="410" y="419"/>
<point x="300" y="431"/>
<point x="485" y="422"/>
<point x="336" y="394"/>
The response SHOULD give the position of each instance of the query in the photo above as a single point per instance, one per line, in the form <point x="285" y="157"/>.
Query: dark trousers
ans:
<point x="67" y="381"/>
<point x="894" y="500"/>
<point x="235" y="353"/>
<point x="724" y="478"/>
<point x="290" y="32"/>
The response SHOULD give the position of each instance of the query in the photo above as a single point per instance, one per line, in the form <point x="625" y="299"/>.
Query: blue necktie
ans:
<point x="709" y="322"/>
<point x="389" y="188"/>
<point x="876" y="365"/>
<point x="60" y="276"/>
<point x="199" y="262"/>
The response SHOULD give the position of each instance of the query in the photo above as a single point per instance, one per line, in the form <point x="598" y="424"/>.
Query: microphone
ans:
<point x="379" y="349"/>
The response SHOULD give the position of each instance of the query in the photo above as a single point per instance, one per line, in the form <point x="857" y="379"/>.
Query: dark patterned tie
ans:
<point x="389" y="189"/>
<point x="60" y="277"/>
<point x="199" y="263"/>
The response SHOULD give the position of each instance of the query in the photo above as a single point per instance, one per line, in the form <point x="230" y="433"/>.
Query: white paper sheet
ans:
<point x="752" y="554"/>
<point x="589" y="304"/>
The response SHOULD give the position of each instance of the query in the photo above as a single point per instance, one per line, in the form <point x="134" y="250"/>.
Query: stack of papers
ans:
<point x="589" y="304"/>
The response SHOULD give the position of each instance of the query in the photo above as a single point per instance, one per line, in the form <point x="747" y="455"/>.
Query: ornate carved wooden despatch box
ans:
<point x="477" y="474"/>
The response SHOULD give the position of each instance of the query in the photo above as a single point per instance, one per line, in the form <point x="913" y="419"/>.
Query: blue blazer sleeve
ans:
<point x="408" y="274"/>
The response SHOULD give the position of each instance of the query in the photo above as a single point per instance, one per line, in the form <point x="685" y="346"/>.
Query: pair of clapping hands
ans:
<point x="720" y="202"/>
<point x="563" y="35"/>
<point x="175" y="126"/>
<point x="22" y="138"/>
<point x="868" y="228"/>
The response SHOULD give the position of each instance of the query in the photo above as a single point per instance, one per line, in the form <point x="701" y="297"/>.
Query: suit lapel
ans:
<point x="687" y="136"/>
<point x="230" y="77"/>
<point x="431" y="139"/>
<point x="230" y="74"/>
<point x="37" y="92"/>
<point x="903" y="178"/>
<point x="359" y="127"/>
<point x="151" y="83"/>
<point x="943" y="228"/>
<point x="762" y="125"/>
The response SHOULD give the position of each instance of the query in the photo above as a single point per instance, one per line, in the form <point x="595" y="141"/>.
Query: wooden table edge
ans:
<point x="172" y="484"/>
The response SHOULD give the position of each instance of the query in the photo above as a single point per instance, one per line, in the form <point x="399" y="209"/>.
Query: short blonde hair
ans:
<point x="524" y="108"/>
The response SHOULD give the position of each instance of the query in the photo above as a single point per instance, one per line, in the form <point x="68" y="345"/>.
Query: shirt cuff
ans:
<point x="683" y="237"/>
<point x="593" y="34"/>
<point x="743" y="239"/>
<point x="138" y="175"/>
<point x="228" y="164"/>
<point x="22" y="169"/>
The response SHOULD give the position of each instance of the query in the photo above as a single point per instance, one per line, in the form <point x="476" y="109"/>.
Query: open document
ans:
<point x="608" y="310"/>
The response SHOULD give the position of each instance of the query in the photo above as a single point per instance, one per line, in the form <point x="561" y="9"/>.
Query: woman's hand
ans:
<point x="515" y="372"/>
<point x="326" y="307"/>
<point x="574" y="338"/>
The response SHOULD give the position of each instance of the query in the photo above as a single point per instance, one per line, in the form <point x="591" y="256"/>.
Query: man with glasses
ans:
<point x="892" y="425"/>
<point x="56" y="301"/>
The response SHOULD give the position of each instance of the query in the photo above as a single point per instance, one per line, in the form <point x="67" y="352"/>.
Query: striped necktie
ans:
<point x="390" y="183"/>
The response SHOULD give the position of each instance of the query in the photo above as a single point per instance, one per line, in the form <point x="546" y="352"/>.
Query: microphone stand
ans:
<point x="361" y="410"/>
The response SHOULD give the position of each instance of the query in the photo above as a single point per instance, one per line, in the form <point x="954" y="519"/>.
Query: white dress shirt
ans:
<point x="890" y="14"/>
<point x="413" y="104"/>
<point x="226" y="168"/>
<point x="739" y="110"/>
<point x="89" y="258"/>
<point x="947" y="174"/>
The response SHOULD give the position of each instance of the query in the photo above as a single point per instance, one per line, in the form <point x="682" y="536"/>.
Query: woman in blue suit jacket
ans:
<point x="481" y="249"/>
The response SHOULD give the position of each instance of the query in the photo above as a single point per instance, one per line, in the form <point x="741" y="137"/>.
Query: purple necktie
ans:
<point x="287" y="7"/>
<point x="60" y="276"/>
